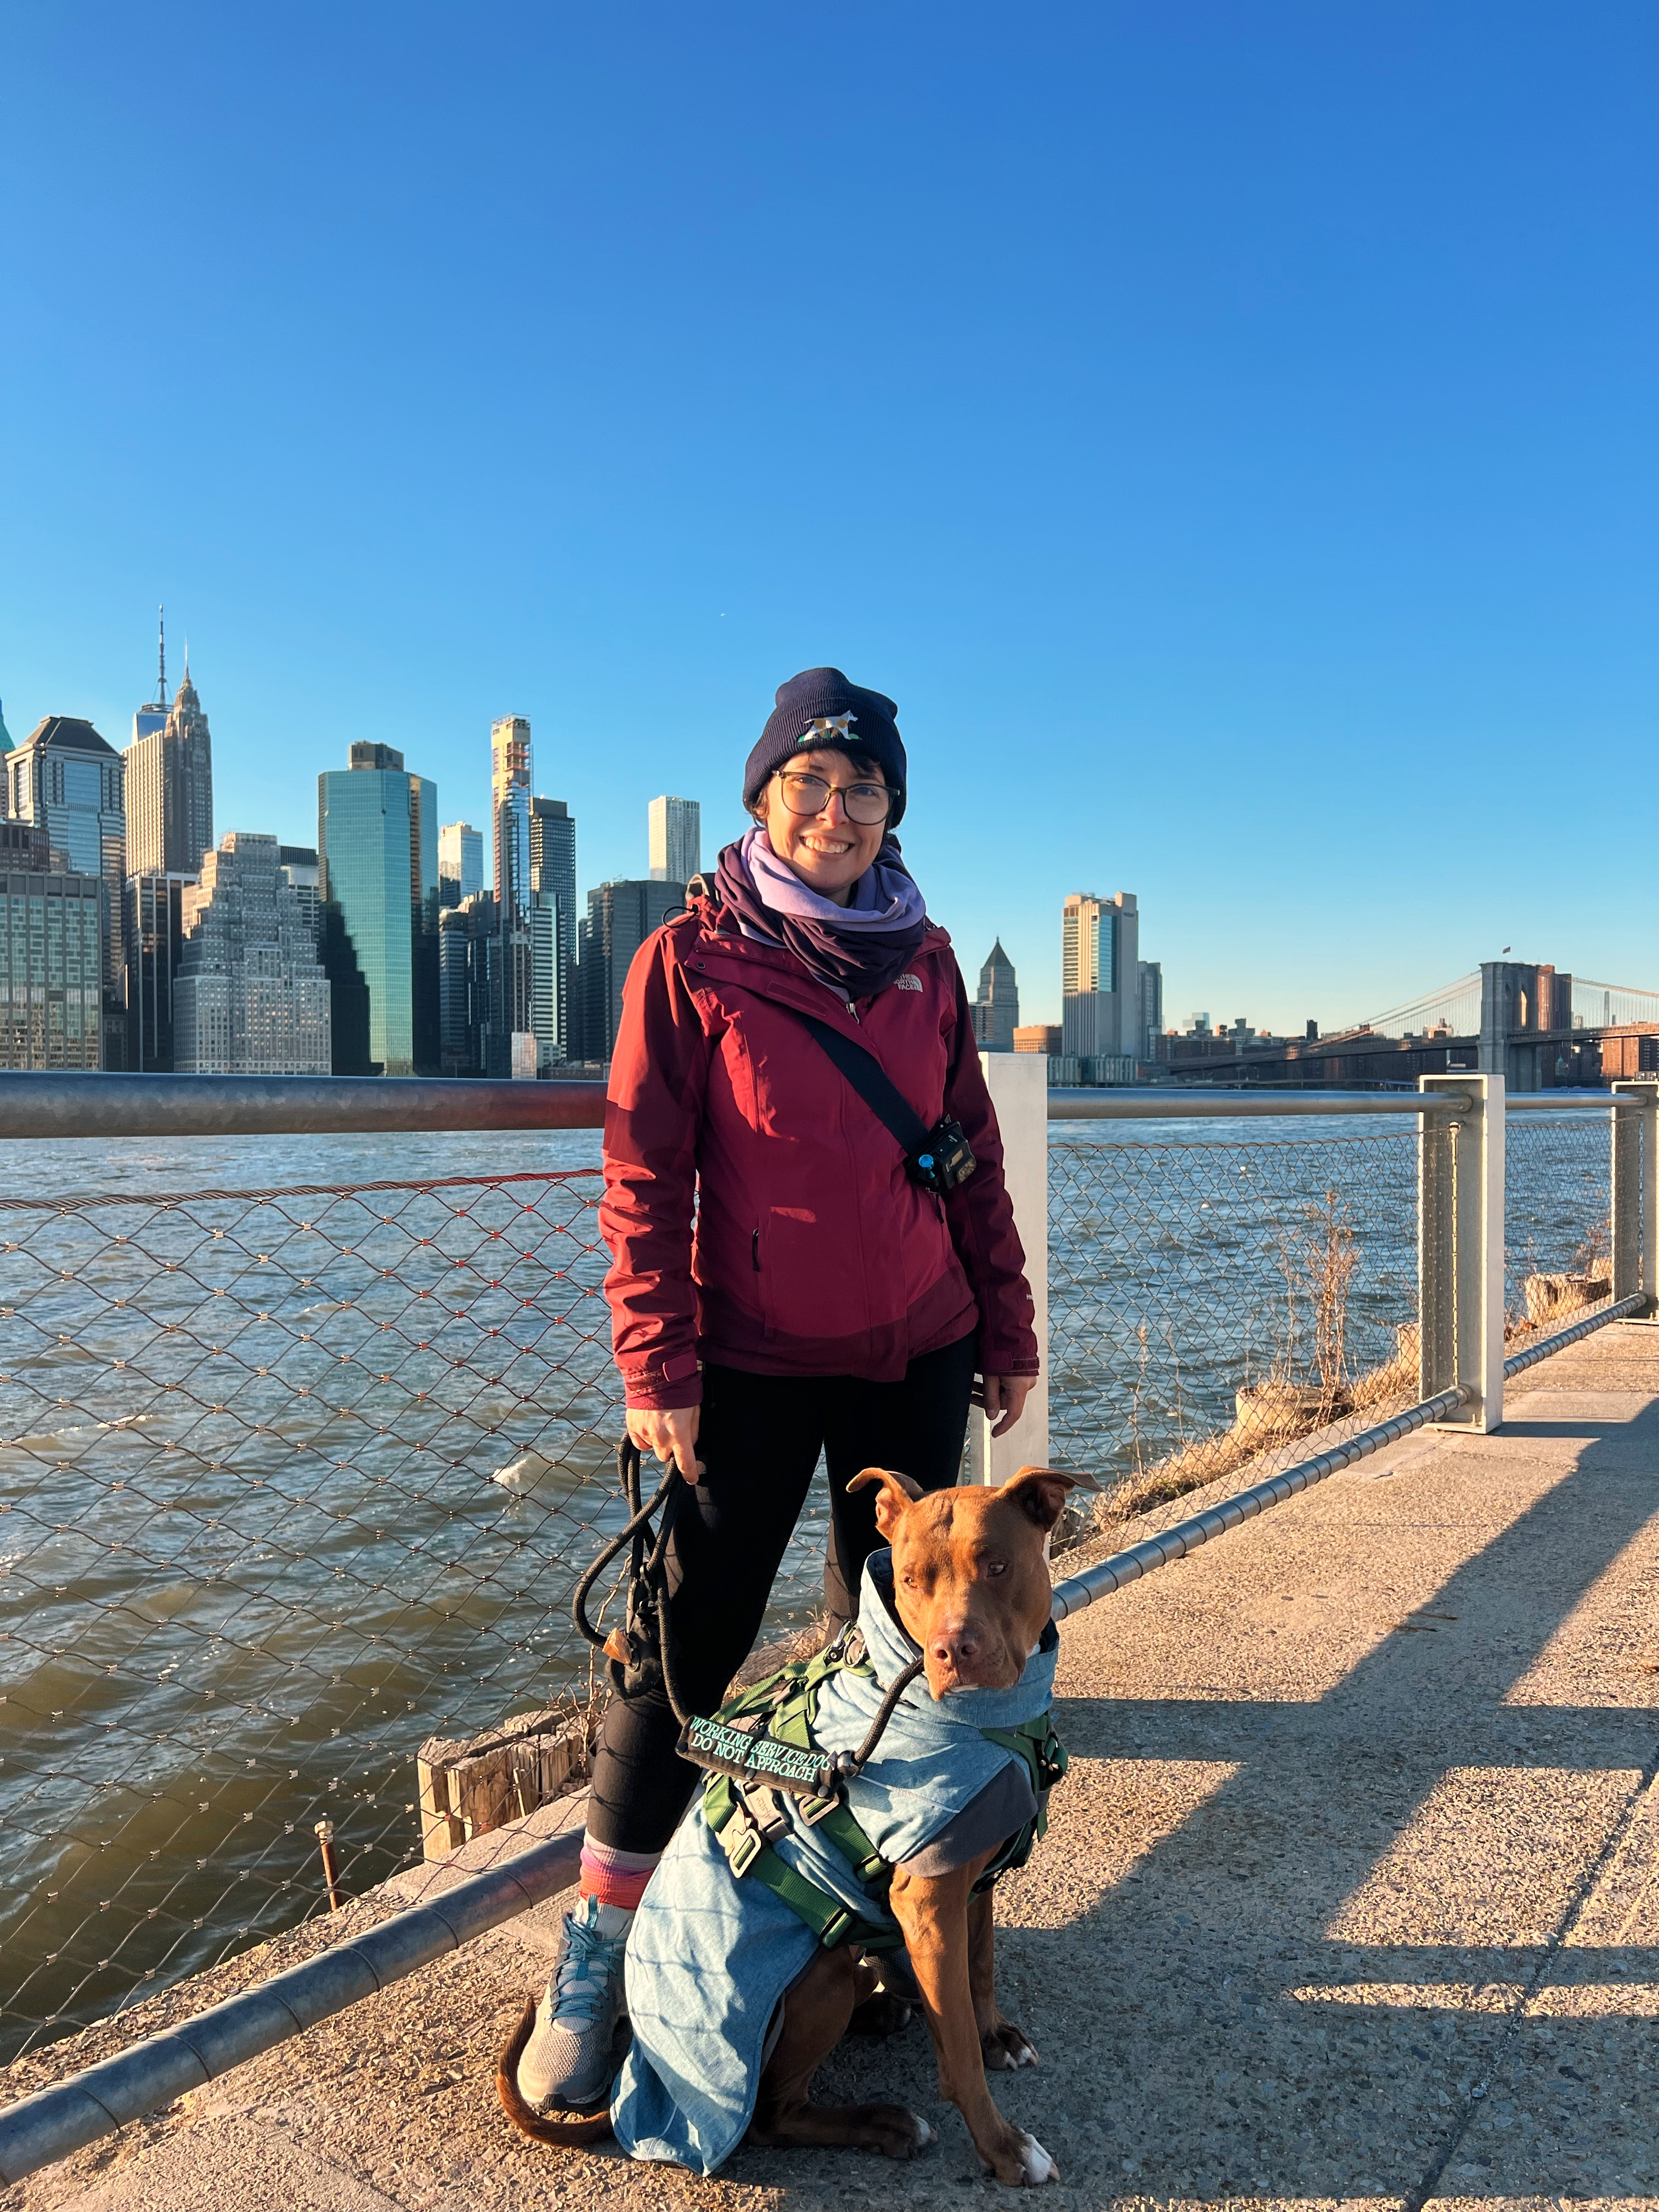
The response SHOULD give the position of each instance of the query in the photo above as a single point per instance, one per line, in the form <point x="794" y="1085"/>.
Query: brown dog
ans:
<point x="971" y="1587"/>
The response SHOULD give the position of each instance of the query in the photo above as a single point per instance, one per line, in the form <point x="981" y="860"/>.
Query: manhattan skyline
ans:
<point x="1227" y="438"/>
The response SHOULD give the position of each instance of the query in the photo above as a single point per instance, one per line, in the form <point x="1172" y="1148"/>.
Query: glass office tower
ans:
<point x="460" y="862"/>
<point x="65" y="780"/>
<point x="377" y="861"/>
<point x="509" y="806"/>
<point x="552" y="925"/>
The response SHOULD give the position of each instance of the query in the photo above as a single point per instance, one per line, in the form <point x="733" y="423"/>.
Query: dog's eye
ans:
<point x="996" y="1566"/>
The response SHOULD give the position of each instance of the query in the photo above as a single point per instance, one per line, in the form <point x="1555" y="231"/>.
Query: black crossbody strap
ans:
<point x="871" y="1080"/>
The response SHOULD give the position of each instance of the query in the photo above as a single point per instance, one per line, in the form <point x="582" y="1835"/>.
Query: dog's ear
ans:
<point x="898" y="1495"/>
<point x="1039" y="1493"/>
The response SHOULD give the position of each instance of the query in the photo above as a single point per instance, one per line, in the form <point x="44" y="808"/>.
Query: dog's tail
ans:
<point x="570" y="2133"/>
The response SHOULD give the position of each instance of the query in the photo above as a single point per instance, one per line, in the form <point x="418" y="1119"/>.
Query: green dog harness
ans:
<point x="767" y="1730"/>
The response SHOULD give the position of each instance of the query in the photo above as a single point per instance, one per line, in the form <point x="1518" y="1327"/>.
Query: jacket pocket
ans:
<point x="806" y="1287"/>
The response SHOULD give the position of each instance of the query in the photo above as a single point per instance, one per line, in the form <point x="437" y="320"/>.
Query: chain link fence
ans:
<point x="1558" y="1220"/>
<point x="1215" y="1297"/>
<point x="292" y="1480"/>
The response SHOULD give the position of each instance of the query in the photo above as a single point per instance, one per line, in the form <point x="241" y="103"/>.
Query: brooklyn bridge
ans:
<point x="1537" y="1026"/>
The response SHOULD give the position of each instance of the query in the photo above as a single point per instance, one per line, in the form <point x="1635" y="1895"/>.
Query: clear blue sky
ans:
<point x="1227" y="430"/>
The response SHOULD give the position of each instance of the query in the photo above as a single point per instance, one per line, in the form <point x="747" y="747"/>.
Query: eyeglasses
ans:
<point x="865" y="803"/>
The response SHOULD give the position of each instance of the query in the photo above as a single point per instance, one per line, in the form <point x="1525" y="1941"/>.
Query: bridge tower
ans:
<point x="1526" y="1023"/>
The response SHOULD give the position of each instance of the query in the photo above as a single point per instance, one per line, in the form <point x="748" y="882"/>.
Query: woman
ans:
<point x="781" y="1285"/>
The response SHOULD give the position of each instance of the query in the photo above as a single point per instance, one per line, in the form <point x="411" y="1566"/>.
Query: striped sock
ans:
<point x="616" y="1877"/>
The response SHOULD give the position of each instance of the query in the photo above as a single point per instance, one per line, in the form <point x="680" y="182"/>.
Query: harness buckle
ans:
<point x="814" y="1809"/>
<point x="837" y="1927"/>
<point x="764" y="1809"/>
<point x="743" y="1853"/>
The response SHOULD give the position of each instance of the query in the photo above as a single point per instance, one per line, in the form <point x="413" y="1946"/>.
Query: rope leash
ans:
<point x="644" y="1651"/>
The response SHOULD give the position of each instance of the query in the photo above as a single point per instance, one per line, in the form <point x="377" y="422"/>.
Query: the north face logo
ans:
<point x="907" y="981"/>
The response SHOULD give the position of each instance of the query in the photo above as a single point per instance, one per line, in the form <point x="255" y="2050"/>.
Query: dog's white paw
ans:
<point x="1005" y="2048"/>
<point x="1039" y="2166"/>
<point x="925" y="2135"/>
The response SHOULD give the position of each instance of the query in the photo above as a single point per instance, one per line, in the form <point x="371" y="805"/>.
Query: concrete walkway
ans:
<point x="1352" y="1894"/>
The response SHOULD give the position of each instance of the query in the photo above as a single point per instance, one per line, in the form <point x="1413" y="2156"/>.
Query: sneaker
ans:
<point x="566" y="2061"/>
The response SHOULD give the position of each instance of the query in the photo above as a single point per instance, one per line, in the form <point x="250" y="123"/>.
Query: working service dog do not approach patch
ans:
<point x="754" y="1755"/>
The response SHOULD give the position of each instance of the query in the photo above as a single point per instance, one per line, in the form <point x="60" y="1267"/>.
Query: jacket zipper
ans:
<point x="754" y="1250"/>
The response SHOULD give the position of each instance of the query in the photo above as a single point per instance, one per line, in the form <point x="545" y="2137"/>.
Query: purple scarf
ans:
<point x="858" y="949"/>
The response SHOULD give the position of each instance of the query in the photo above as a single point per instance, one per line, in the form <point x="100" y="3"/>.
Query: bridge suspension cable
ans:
<point x="1608" y="1006"/>
<point x="1457" y="1005"/>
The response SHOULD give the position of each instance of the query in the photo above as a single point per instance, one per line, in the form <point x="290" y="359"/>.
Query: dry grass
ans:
<point x="1275" y="1412"/>
<point x="1297" y="1396"/>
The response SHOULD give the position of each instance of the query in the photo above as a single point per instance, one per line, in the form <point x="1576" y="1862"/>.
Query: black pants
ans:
<point x="760" y="1438"/>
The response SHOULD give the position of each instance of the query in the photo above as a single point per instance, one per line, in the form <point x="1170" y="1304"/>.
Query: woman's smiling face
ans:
<point x="827" y="851"/>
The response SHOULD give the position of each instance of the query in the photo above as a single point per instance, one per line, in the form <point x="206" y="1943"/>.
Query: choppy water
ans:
<point x="332" y="1504"/>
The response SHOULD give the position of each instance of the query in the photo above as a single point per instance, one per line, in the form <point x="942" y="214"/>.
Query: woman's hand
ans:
<point x="1004" y="1394"/>
<point x="671" y="1435"/>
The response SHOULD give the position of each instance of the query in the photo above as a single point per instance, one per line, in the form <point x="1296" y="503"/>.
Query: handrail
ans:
<point x="120" y="1105"/>
<point x="1620" y="1310"/>
<point x="1107" y="1575"/>
<point x="285" y="1105"/>
<point x="78" y="2110"/>
<point x="1143" y="1105"/>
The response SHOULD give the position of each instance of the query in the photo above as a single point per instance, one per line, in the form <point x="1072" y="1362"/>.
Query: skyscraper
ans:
<point x="152" y="714"/>
<point x="298" y="864"/>
<point x="548" y="1017"/>
<point x="676" y="839"/>
<point x="509" y="810"/>
<point x="996" y="1010"/>
<point x="52" y="932"/>
<point x="5" y="747"/>
<point x="553" y="925"/>
<point x="1152" y="1006"/>
<point x="377" y="856"/>
<point x="1100" y="985"/>
<point x="251" y="997"/>
<point x="620" y="917"/>
<point x="460" y="862"/>
<point x="153" y="937"/>
<point x="424" y="908"/>
<point x="169" y="789"/>
<point x="348" y="996"/>
<point x="468" y="962"/>
<point x="66" y="780"/>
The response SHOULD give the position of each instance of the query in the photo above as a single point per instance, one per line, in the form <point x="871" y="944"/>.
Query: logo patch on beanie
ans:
<point x="829" y="725"/>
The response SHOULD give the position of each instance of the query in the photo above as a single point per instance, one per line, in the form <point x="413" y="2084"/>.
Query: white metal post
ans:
<point x="1018" y="1083"/>
<point x="1463" y="1318"/>
<point x="1635" y="1192"/>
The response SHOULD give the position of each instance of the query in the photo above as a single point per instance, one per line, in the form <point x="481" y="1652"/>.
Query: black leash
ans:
<point x="644" y="1651"/>
<point x="853" y="1763"/>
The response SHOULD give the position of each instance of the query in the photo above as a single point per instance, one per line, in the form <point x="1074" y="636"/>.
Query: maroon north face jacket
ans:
<point x="812" y="1252"/>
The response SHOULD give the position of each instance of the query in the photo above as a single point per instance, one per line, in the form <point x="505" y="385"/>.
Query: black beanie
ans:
<point x="849" y="715"/>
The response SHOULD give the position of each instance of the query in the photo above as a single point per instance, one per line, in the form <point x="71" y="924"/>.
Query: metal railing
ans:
<point x="294" y="1477"/>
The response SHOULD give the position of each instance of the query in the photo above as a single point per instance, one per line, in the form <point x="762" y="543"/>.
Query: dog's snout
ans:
<point x="956" y="1644"/>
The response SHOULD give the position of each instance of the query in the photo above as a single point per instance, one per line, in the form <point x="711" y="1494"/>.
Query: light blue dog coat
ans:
<point x="710" y="1953"/>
